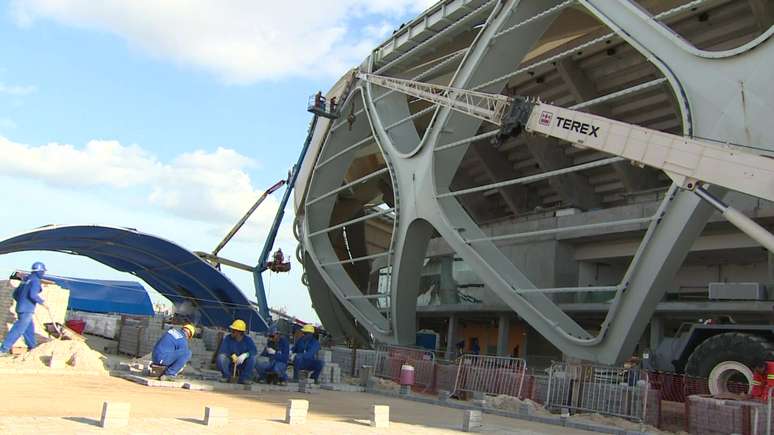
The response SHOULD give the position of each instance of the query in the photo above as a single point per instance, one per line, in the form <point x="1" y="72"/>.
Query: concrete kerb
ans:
<point x="555" y="421"/>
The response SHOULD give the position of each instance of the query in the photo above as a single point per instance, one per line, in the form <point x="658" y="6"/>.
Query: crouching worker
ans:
<point x="278" y="352"/>
<point x="305" y="351"/>
<point x="237" y="354"/>
<point x="172" y="352"/>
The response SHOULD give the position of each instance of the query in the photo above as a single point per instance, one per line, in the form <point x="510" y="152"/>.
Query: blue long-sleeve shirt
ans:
<point x="230" y="346"/>
<point x="282" y="353"/>
<point x="172" y="341"/>
<point x="27" y="295"/>
<point x="306" y="347"/>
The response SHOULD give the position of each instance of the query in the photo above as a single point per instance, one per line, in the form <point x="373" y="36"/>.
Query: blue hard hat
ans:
<point x="38" y="267"/>
<point x="272" y="330"/>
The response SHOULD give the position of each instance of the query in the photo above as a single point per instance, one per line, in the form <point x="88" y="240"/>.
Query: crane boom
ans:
<point x="690" y="162"/>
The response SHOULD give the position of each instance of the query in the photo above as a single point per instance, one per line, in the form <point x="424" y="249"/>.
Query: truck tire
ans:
<point x="725" y="356"/>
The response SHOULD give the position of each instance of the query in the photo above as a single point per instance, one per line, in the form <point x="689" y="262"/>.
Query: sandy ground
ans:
<point x="72" y="404"/>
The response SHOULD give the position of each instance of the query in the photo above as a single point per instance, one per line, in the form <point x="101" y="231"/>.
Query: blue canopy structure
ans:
<point x="173" y="271"/>
<point x="101" y="296"/>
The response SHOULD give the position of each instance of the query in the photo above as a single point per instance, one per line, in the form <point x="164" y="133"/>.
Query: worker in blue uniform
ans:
<point x="172" y="352"/>
<point x="26" y="295"/>
<point x="305" y="350"/>
<point x="237" y="353"/>
<point x="277" y="350"/>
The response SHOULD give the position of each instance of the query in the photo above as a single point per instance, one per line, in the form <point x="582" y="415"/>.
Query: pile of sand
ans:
<point x="386" y="384"/>
<point x="76" y="355"/>
<point x="514" y="404"/>
<point x="620" y="423"/>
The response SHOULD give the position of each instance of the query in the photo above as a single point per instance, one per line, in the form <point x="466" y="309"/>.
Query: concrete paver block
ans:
<point x="472" y="421"/>
<point x="215" y="416"/>
<point x="114" y="415"/>
<point x="381" y="416"/>
<point x="296" y="411"/>
<point x="198" y="387"/>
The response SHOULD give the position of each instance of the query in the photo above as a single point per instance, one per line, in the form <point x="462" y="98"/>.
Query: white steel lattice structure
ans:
<point x="396" y="177"/>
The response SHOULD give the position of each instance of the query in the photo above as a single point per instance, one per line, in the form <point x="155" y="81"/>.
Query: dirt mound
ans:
<point x="76" y="355"/>
<point x="514" y="404"/>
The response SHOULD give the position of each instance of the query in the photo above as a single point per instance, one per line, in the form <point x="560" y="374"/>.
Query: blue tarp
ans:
<point x="100" y="296"/>
<point x="173" y="271"/>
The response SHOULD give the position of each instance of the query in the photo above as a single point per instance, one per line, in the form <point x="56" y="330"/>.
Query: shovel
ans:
<point x="53" y="329"/>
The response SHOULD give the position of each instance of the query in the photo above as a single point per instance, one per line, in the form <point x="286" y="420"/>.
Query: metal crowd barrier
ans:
<point x="490" y="375"/>
<point x="606" y="390"/>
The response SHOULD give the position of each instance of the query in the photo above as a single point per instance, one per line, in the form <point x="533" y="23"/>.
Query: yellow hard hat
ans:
<point x="308" y="328"/>
<point x="239" y="325"/>
<point x="190" y="328"/>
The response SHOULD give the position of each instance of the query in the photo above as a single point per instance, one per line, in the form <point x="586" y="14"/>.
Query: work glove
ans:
<point x="270" y="351"/>
<point x="242" y="358"/>
<point x="234" y="357"/>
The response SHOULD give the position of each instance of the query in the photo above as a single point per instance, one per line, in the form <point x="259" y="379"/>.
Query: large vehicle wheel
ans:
<point x="727" y="360"/>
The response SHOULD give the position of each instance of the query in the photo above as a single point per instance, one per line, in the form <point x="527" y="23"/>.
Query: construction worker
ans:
<point x="278" y="352"/>
<point x="237" y="353"/>
<point x="172" y="352"/>
<point x="26" y="295"/>
<point x="305" y="350"/>
<point x="475" y="348"/>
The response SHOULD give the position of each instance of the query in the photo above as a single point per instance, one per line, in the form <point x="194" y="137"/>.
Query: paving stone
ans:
<point x="198" y="387"/>
<point x="472" y="421"/>
<point x="296" y="411"/>
<point x="215" y="416"/>
<point x="381" y="416"/>
<point x="114" y="415"/>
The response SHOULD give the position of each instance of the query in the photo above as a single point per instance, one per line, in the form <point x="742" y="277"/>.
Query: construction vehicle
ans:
<point x="318" y="106"/>
<point x="719" y="351"/>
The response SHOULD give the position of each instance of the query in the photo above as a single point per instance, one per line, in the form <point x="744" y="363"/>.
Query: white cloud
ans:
<point x="240" y="41"/>
<point x="17" y="90"/>
<point x="206" y="186"/>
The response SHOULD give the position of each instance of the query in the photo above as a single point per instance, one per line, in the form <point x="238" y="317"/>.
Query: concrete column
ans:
<point x="447" y="285"/>
<point x="503" y="329"/>
<point x="656" y="332"/>
<point x="451" y="337"/>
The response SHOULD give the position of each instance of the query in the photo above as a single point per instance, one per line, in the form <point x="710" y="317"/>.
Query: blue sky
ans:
<point x="169" y="117"/>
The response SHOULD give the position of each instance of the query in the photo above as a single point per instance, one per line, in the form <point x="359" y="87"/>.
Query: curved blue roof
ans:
<point x="173" y="271"/>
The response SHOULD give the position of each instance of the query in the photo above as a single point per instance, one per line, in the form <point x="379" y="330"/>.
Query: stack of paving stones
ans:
<point x="343" y="357"/>
<point x="114" y="415"/>
<point x="104" y="325"/>
<point x="472" y="421"/>
<point x="56" y="298"/>
<point x="381" y="417"/>
<point x="201" y="358"/>
<point x="215" y="416"/>
<point x="296" y="411"/>
<point x="708" y="416"/>
<point x="212" y="337"/>
<point x="330" y="374"/>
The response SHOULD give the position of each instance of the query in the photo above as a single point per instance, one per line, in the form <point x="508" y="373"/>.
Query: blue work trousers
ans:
<point x="23" y="326"/>
<point x="226" y="367"/>
<point x="277" y="367"/>
<point x="174" y="361"/>
<point x="313" y="365"/>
